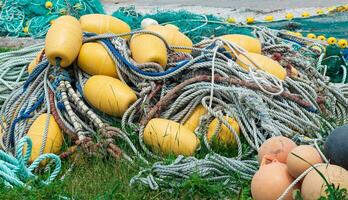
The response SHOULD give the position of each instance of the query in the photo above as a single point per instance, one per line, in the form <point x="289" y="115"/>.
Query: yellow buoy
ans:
<point x="48" y="4"/>
<point x="264" y="63"/>
<point x="192" y="121"/>
<point x="298" y="34"/>
<point x="224" y="135"/>
<point x="100" y="24"/>
<point x="321" y="37"/>
<point x="36" y="133"/>
<point x="248" y="43"/>
<point x="172" y="36"/>
<point x="34" y="62"/>
<point x="311" y="36"/>
<point x="305" y="14"/>
<point x="289" y="16"/>
<point x="269" y="18"/>
<point x="331" y="40"/>
<point x="169" y="137"/>
<point x="109" y="95"/>
<point x="342" y="43"/>
<point x="231" y="20"/>
<point x="250" y="20"/>
<point x="63" y="41"/>
<point x="99" y="64"/>
<point x="320" y="11"/>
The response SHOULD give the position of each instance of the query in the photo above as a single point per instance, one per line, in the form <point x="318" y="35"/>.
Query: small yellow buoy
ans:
<point x="248" y="43"/>
<point x="311" y="36"/>
<point x="26" y="29"/>
<point x="170" y="137"/>
<point x="193" y="120"/>
<point x="36" y="133"/>
<point x="108" y="95"/>
<point x="331" y="40"/>
<point x="63" y="41"/>
<point x="305" y="14"/>
<point x="250" y="20"/>
<point x="321" y="37"/>
<point x="269" y="18"/>
<point x="99" y="64"/>
<point x="342" y="43"/>
<point x="289" y="16"/>
<point x="48" y="4"/>
<point x="224" y="135"/>
<point x="264" y="63"/>
<point x="231" y="20"/>
<point x="320" y="11"/>
<point x="34" y="62"/>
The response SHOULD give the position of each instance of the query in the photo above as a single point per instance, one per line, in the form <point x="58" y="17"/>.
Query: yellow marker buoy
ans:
<point x="26" y="29"/>
<point x="108" y="95"/>
<point x="36" y="133"/>
<point x="311" y="36"/>
<point x="99" y="64"/>
<point x="320" y="11"/>
<point x="289" y="16"/>
<point x="331" y="40"/>
<point x="248" y="43"/>
<point x="269" y="18"/>
<point x="63" y="41"/>
<point x="100" y="24"/>
<point x="48" y="4"/>
<point x="34" y="62"/>
<point x="192" y="121"/>
<point x="264" y="63"/>
<point x="342" y="43"/>
<point x="224" y="135"/>
<point x="250" y="20"/>
<point x="169" y="137"/>
<point x="305" y="14"/>
<point x="321" y="37"/>
<point x="231" y="20"/>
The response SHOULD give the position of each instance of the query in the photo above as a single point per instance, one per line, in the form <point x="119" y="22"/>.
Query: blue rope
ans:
<point x="117" y="54"/>
<point x="23" y="115"/>
<point x="36" y="72"/>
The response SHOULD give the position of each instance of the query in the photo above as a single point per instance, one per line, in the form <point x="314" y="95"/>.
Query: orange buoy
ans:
<point x="270" y="181"/>
<point x="296" y="165"/>
<point x="313" y="185"/>
<point x="277" y="147"/>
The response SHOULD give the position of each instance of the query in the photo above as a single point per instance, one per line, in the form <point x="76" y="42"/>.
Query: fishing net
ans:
<point x="32" y="17"/>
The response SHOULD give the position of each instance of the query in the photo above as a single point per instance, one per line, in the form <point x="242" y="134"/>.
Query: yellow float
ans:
<point x="342" y="43"/>
<point x="193" y="120"/>
<point x="36" y="133"/>
<point x="35" y="62"/>
<point x="99" y="24"/>
<point x="305" y="14"/>
<point x="311" y="36"/>
<point x="331" y="40"/>
<point x="321" y="37"/>
<point x="170" y="137"/>
<point x="248" y="43"/>
<point x="109" y="95"/>
<point x="99" y="64"/>
<point x="289" y="16"/>
<point x="63" y="41"/>
<point x="250" y="20"/>
<point x="269" y="18"/>
<point x="224" y="135"/>
<point x="263" y="63"/>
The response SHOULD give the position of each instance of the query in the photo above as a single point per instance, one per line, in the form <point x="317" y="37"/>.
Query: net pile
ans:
<point x="33" y="17"/>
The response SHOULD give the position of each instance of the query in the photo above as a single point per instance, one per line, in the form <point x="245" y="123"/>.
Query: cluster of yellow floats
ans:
<point x="282" y="161"/>
<point x="105" y="92"/>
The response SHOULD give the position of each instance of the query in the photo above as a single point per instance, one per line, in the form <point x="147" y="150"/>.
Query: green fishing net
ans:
<point x="32" y="17"/>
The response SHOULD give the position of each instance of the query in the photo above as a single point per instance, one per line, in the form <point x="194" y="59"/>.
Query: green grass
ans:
<point x="95" y="178"/>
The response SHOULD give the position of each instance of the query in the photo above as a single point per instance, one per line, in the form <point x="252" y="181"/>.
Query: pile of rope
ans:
<point x="305" y="108"/>
<point x="34" y="17"/>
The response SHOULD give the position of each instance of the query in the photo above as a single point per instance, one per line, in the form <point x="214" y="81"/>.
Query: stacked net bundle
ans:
<point x="33" y="18"/>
